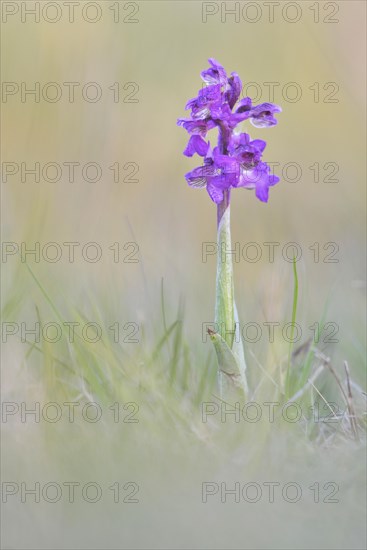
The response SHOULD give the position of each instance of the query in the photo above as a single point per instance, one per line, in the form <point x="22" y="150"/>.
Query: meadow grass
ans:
<point x="163" y="363"/>
<point x="167" y="383"/>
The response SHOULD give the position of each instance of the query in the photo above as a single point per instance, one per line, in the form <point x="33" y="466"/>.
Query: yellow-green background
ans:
<point x="164" y="53"/>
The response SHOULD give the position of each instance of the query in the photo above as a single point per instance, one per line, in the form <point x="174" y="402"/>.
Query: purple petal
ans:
<point x="214" y="75"/>
<point x="244" y="105"/>
<point x="273" y="180"/>
<point x="265" y="122"/>
<point x="263" y="181"/>
<point x="197" y="177"/>
<point x="262" y="192"/>
<point x="259" y="144"/>
<point x="197" y="145"/>
<point x="256" y="109"/>
<point x="218" y="111"/>
<point x="248" y="179"/>
<point x="244" y="139"/>
<point x="262" y="115"/>
<point x="197" y="127"/>
<point x="215" y="193"/>
<point x="237" y="118"/>
<point x="205" y="96"/>
<point x="190" y="103"/>
<point x="235" y="87"/>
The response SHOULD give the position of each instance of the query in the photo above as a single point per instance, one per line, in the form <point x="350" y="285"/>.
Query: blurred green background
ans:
<point x="164" y="53"/>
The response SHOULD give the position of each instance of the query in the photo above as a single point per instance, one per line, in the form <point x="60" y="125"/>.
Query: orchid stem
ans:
<point x="224" y="306"/>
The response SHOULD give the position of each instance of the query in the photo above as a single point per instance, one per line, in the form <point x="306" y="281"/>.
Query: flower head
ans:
<point x="263" y="115"/>
<point x="215" y="74"/>
<point x="219" y="172"/>
<point x="237" y="160"/>
<point x="207" y="97"/>
<point x="258" y="178"/>
<point x="247" y="152"/>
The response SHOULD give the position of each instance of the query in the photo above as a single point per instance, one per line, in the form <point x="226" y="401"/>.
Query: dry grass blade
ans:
<point x="347" y="398"/>
<point x="351" y="410"/>
<point x="310" y="383"/>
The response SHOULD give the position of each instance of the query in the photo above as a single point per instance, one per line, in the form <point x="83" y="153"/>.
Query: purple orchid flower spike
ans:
<point x="218" y="105"/>
<point x="235" y="162"/>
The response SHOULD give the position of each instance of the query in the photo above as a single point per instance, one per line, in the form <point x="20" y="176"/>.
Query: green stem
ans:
<point x="294" y="316"/>
<point x="224" y="306"/>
